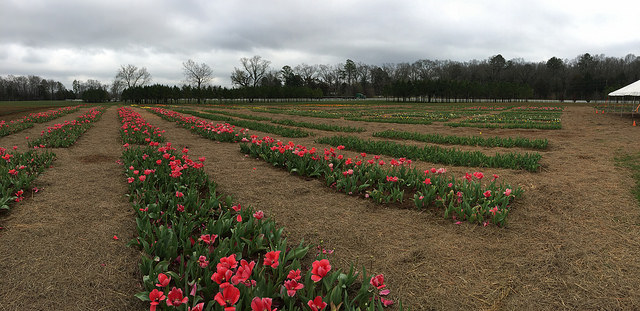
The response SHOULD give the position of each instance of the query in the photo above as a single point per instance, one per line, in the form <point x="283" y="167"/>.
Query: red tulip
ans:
<point x="222" y="275"/>
<point x="258" y="215"/>
<point x="320" y="269"/>
<point x="292" y="287"/>
<point x="377" y="281"/>
<point x="203" y="262"/>
<point x="271" y="259"/>
<point x="317" y="304"/>
<point x="175" y="297"/>
<point x="261" y="304"/>
<point x="163" y="280"/>
<point x="386" y="302"/>
<point x="208" y="238"/>
<point x="198" y="307"/>
<point x="155" y="296"/>
<point x="229" y="296"/>
<point x="294" y="275"/>
<point x="244" y="272"/>
<point x="228" y="262"/>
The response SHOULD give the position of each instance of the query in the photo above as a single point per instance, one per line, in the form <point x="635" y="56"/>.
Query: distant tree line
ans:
<point x="586" y="77"/>
<point x="32" y="88"/>
<point x="36" y="88"/>
<point x="163" y="94"/>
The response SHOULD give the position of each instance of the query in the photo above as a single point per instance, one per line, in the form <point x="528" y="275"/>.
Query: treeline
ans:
<point x="162" y="94"/>
<point x="586" y="77"/>
<point x="32" y="88"/>
<point x="36" y="88"/>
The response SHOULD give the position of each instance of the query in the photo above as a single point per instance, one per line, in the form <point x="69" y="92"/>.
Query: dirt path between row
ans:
<point x="57" y="250"/>
<point x="572" y="240"/>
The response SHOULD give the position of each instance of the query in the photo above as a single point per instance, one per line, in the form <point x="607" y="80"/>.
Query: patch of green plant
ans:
<point x="240" y="115"/>
<point x="524" y="125"/>
<point x="320" y="126"/>
<point x="391" y="120"/>
<point x="508" y="142"/>
<point x="631" y="162"/>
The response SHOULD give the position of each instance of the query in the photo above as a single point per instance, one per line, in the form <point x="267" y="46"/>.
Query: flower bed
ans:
<point x="508" y="142"/>
<point x="18" y="170"/>
<point x="224" y="132"/>
<point x="256" y="126"/>
<point x="467" y="199"/>
<point x="65" y="134"/>
<point x="202" y="252"/>
<point x="135" y="129"/>
<point x="434" y="154"/>
<point x="320" y="126"/>
<point x="26" y="122"/>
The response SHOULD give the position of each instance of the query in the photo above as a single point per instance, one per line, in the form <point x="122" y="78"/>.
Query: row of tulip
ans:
<point x="320" y="126"/>
<point x="26" y="122"/>
<point x="289" y="122"/>
<point x="514" y="125"/>
<point x="300" y="113"/>
<point x="255" y="126"/>
<point x="435" y="154"/>
<point x="135" y="129"/>
<point x="467" y="199"/>
<point x="203" y="252"/>
<point x="17" y="172"/>
<point x="398" y="120"/>
<point x="65" y="134"/>
<point x="240" y="115"/>
<point x="224" y="132"/>
<point x="508" y="142"/>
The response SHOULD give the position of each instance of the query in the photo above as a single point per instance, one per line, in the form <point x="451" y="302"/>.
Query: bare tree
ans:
<point x="307" y="72"/>
<point x="240" y="77"/>
<point x="254" y="69"/>
<point x="132" y="76"/>
<point x="197" y="74"/>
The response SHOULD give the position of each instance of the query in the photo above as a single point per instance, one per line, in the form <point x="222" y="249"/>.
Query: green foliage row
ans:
<point x="467" y="199"/>
<point x="17" y="171"/>
<point x="301" y="113"/>
<point x="523" y="125"/>
<point x="434" y="154"/>
<point x="320" y="126"/>
<point x="240" y="115"/>
<point x="391" y="120"/>
<point x="508" y="142"/>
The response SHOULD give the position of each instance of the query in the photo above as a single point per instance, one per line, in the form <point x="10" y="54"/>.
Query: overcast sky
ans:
<point x="84" y="39"/>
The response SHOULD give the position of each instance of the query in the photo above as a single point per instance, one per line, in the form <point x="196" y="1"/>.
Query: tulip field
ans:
<point x="318" y="206"/>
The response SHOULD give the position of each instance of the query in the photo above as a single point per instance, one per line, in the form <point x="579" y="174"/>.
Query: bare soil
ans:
<point x="571" y="242"/>
<point x="57" y="250"/>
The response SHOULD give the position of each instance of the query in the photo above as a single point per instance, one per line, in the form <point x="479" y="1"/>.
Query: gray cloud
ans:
<point x="79" y="39"/>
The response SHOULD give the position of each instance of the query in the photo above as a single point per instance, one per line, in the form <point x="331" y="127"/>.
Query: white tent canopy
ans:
<point x="632" y="89"/>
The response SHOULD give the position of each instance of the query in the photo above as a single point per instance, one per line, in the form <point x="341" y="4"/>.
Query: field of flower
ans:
<point x="267" y="207"/>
